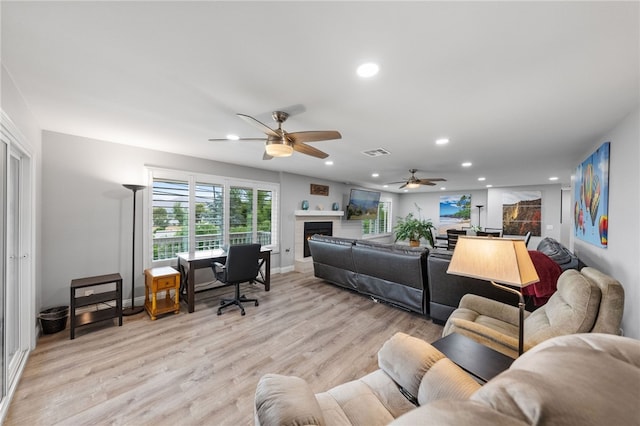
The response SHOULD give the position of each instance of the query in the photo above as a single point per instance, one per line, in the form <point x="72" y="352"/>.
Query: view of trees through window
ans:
<point x="381" y="224"/>
<point x="172" y="224"/>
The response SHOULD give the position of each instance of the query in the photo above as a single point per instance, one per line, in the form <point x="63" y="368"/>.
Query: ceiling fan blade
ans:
<point x="266" y="156"/>
<point x="425" y="182"/>
<point x="309" y="150"/>
<point x="241" y="139"/>
<point x="402" y="186"/>
<point x="432" y="180"/>
<point x="261" y="126"/>
<point x="313" y="136"/>
<point x="393" y="183"/>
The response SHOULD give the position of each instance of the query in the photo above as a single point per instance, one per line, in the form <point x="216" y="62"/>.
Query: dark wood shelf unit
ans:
<point x="104" y="297"/>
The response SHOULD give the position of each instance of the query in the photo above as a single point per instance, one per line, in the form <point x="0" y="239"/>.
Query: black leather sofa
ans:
<point x="446" y="290"/>
<point x="411" y="278"/>
<point x="390" y="273"/>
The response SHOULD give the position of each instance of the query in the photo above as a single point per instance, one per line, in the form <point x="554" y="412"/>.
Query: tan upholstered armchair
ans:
<point x="585" y="301"/>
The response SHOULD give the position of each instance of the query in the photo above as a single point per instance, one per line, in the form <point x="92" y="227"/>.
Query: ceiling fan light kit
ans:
<point x="278" y="149"/>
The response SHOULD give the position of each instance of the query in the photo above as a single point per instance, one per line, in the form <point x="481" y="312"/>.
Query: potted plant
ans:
<point x="413" y="229"/>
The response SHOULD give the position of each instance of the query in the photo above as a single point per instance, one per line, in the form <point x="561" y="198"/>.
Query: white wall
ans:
<point x="87" y="222"/>
<point x="621" y="259"/>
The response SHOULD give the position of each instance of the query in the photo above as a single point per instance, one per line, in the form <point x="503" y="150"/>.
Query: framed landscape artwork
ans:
<point x="591" y="198"/>
<point x="455" y="212"/>
<point x="521" y="212"/>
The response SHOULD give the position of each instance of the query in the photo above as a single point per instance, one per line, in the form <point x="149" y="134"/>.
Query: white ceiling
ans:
<point x="521" y="89"/>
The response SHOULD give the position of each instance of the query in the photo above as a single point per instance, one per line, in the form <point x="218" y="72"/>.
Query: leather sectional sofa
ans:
<point x="411" y="278"/>
<point x="390" y="273"/>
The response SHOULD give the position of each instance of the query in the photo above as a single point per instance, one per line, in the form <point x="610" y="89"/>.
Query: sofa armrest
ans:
<point x="489" y="337"/>
<point x="406" y="359"/>
<point x="286" y="400"/>
<point x="492" y="308"/>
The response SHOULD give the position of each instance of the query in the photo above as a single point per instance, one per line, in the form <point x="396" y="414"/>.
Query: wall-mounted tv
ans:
<point x="363" y="205"/>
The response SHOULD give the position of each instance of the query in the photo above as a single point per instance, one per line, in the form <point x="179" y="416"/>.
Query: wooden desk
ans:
<point x="189" y="262"/>
<point x="478" y="360"/>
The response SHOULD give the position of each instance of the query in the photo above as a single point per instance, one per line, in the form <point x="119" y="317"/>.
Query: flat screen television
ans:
<point x="363" y="205"/>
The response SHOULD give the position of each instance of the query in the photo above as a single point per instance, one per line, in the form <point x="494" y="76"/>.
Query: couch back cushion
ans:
<point x="611" y="303"/>
<point x="586" y="379"/>
<point x="332" y="251"/>
<point x="571" y="309"/>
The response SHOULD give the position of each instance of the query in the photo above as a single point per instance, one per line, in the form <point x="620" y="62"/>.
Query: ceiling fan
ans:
<point x="280" y="143"/>
<point x="413" y="182"/>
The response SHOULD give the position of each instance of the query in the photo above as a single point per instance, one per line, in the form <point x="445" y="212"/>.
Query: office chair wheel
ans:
<point x="219" y="311"/>
<point x="257" y="304"/>
<point x="242" y="312"/>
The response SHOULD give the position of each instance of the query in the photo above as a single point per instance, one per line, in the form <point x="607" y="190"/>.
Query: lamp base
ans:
<point x="132" y="310"/>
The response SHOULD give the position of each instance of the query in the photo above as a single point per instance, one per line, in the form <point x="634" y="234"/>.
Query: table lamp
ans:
<point x="500" y="261"/>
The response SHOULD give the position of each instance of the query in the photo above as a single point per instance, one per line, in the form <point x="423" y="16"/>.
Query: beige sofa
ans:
<point x="581" y="379"/>
<point x="585" y="301"/>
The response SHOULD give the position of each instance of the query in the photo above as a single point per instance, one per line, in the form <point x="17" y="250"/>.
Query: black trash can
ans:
<point x="54" y="319"/>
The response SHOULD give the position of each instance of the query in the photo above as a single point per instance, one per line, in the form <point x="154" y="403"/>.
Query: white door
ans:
<point x="16" y="306"/>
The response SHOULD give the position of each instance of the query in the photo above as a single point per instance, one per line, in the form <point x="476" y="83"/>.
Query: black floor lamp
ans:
<point x="479" y="206"/>
<point x="133" y="310"/>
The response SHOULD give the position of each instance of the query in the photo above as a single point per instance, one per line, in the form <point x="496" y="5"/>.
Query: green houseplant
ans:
<point x="413" y="229"/>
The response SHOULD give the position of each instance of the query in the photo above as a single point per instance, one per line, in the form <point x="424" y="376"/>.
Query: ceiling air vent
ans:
<point x="376" y="152"/>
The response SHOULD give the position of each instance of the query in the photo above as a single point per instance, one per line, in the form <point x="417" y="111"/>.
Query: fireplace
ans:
<point x="312" y="228"/>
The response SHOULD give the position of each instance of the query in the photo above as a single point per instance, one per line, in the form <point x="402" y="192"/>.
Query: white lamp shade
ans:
<point x="278" y="149"/>
<point x="500" y="260"/>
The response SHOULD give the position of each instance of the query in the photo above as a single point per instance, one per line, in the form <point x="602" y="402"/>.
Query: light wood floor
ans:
<point x="200" y="368"/>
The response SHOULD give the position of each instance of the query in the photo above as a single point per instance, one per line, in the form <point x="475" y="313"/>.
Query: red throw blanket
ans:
<point x="548" y="272"/>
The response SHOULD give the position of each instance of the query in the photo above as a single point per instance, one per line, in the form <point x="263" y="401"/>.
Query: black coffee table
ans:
<point x="481" y="362"/>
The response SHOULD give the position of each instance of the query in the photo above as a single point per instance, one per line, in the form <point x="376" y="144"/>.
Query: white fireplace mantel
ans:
<point x="319" y="213"/>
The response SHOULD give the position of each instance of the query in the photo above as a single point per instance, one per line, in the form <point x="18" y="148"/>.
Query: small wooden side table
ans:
<point x="159" y="279"/>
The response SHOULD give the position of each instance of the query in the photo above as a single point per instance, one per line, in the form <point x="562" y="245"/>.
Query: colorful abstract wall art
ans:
<point x="521" y="212"/>
<point x="591" y="196"/>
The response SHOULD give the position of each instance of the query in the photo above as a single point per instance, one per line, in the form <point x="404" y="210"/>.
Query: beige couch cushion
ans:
<point x="573" y="308"/>
<point x="611" y="303"/>
<point x="406" y="359"/>
<point x="286" y="401"/>
<point x="573" y="380"/>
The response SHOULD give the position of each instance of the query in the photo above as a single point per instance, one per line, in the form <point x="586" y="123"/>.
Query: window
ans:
<point x="380" y="225"/>
<point x="201" y="212"/>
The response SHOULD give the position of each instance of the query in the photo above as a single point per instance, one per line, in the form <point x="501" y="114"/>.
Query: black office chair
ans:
<point x="242" y="265"/>
<point x="527" y="237"/>
<point x="452" y="237"/>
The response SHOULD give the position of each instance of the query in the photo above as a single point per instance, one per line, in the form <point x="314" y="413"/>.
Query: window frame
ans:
<point x="192" y="179"/>
<point x="388" y="229"/>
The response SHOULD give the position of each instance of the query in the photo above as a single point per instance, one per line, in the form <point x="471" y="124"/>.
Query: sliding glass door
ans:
<point x="17" y="315"/>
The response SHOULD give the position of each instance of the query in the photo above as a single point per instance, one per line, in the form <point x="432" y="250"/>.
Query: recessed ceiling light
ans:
<point x="442" y="188"/>
<point x="489" y="186"/>
<point x="329" y="163"/>
<point x="385" y="186"/>
<point x="406" y="190"/>
<point x="232" y="137"/>
<point x="466" y="164"/>
<point x="482" y="179"/>
<point x="442" y="141"/>
<point x="553" y="178"/>
<point x="368" y="70"/>
<point x="375" y="174"/>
